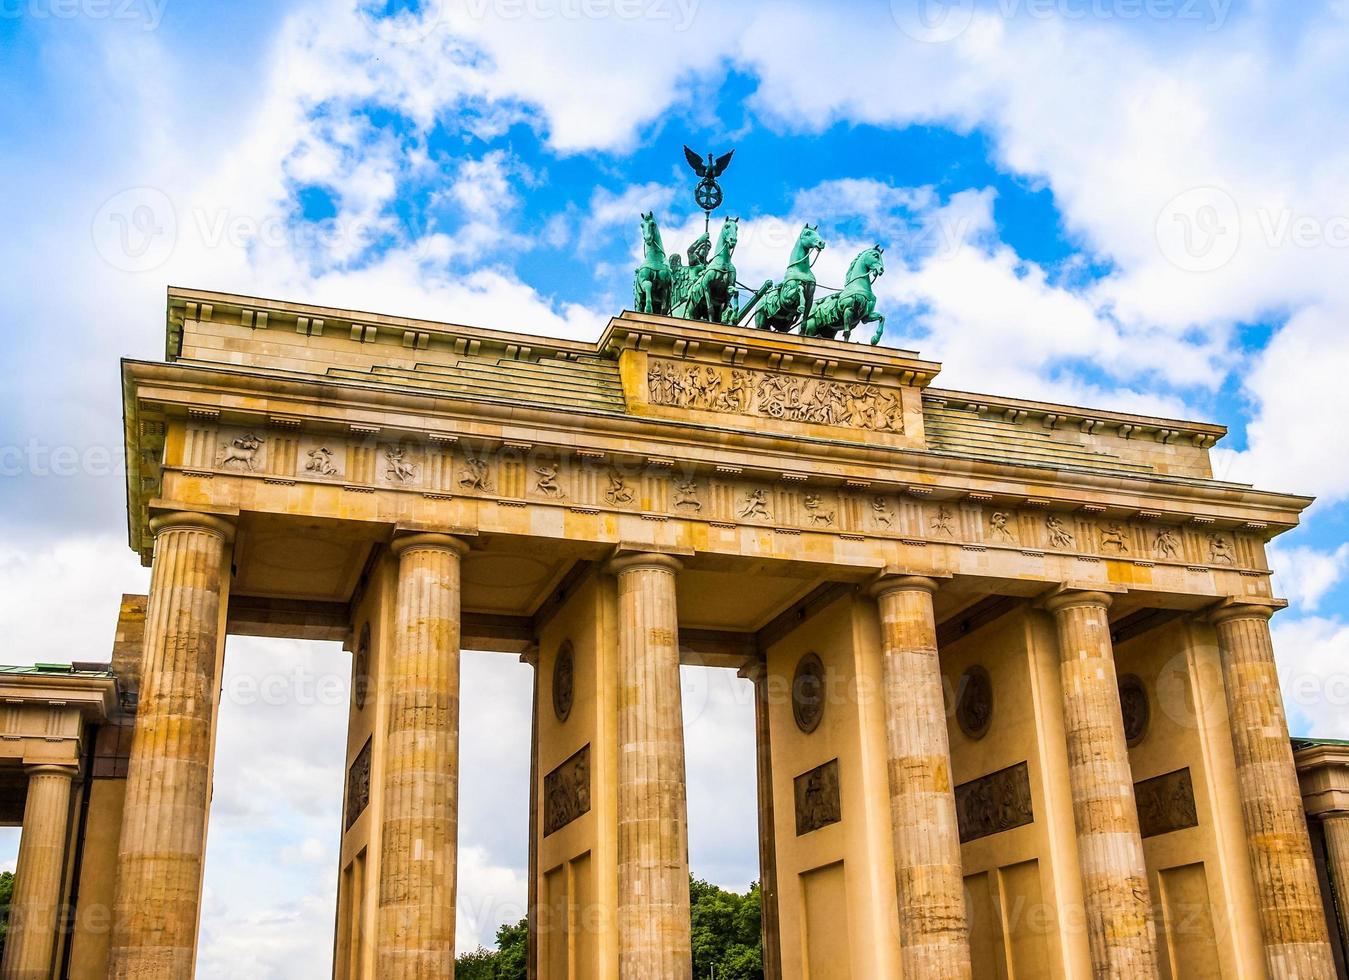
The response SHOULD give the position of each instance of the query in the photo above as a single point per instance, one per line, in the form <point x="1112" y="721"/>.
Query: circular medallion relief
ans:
<point x="564" y="682"/>
<point x="1135" y="707"/>
<point x="974" y="702"/>
<point x="360" y="669"/>
<point x="808" y="693"/>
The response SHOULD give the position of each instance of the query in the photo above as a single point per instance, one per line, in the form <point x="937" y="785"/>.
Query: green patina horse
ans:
<point x="653" y="281"/>
<point x="788" y="303"/>
<point x="854" y="304"/>
<point x="710" y="297"/>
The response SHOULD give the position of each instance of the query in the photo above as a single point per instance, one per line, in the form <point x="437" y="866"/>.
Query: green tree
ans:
<point x="509" y="961"/>
<point x="726" y="932"/>
<point x="6" y="892"/>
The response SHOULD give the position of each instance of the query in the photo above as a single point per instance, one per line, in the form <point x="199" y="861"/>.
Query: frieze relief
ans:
<point x="737" y="391"/>
<point x="358" y="786"/>
<point x="566" y="792"/>
<point x="1166" y="803"/>
<point x="663" y="489"/>
<point x="995" y="803"/>
<point x="818" y="800"/>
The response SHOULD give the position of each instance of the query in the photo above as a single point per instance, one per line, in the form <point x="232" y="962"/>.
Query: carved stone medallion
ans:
<point x="808" y="693"/>
<point x="1135" y="707"/>
<point x="566" y="792"/>
<point x="360" y="669"/>
<point x="1166" y="803"/>
<point x="564" y="681"/>
<point x="974" y="702"/>
<point x="818" y="802"/>
<point x="995" y="803"/>
<point x="358" y="785"/>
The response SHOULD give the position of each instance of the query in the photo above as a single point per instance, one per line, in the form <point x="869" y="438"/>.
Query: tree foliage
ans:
<point x="726" y="939"/>
<point x="6" y="892"/>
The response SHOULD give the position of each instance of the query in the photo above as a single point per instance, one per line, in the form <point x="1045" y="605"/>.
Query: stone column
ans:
<point x="1120" y="929"/>
<point x="1292" y="918"/>
<point x="532" y="889"/>
<point x="934" y="935"/>
<point x="169" y="777"/>
<point x="1336" y="827"/>
<point x="420" y="813"/>
<point x="653" y="850"/>
<point x="757" y="672"/>
<point x="36" y="903"/>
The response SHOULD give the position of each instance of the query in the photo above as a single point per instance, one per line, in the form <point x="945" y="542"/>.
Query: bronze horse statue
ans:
<point x="653" y="282"/>
<point x="788" y="303"/>
<point x="854" y="304"/>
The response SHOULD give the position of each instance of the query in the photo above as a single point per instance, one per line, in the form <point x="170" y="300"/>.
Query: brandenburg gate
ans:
<point x="1017" y="709"/>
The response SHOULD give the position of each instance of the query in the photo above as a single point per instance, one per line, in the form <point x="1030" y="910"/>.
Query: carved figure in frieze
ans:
<point x="1113" y="538"/>
<point x="941" y="522"/>
<point x="755" y="505"/>
<point x="995" y="803"/>
<point x="998" y="525"/>
<point x="882" y="512"/>
<point x="1167" y="544"/>
<point x="321" y="462"/>
<point x="686" y="494"/>
<point x="401" y="469"/>
<point x="818" y="800"/>
<point x="567" y="792"/>
<point x="1220" y="552"/>
<point x="546" y="482"/>
<point x="736" y="398"/>
<point x="243" y="451"/>
<point x="476" y="478"/>
<point x="819" y="517"/>
<point x="1059" y="535"/>
<point x="618" y="492"/>
<point x="1166" y="804"/>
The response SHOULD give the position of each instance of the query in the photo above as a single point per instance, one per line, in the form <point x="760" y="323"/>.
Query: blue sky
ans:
<point x="1135" y="204"/>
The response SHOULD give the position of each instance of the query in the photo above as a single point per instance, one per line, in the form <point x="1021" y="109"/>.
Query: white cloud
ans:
<point x="1305" y="575"/>
<point x="1312" y="655"/>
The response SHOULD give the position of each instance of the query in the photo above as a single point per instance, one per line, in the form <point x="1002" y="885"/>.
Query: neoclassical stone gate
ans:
<point x="1017" y="707"/>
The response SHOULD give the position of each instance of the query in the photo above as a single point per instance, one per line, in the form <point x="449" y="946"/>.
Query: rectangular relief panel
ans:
<point x="1187" y="924"/>
<point x="995" y="803"/>
<point x="566" y="792"/>
<point x="1026" y="920"/>
<point x="358" y="786"/>
<point x="826" y="945"/>
<point x="817" y="798"/>
<point x="1166" y="803"/>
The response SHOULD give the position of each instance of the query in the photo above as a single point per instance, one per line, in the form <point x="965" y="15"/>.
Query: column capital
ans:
<point x="1244" y="607"/>
<point x="428" y="541"/>
<point x="195" y="520"/>
<point x="52" y="769"/>
<point x="628" y="561"/>
<point x="887" y="583"/>
<point x="1066" y="597"/>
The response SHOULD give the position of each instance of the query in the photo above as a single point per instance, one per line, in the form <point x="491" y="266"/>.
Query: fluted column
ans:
<point x="653" y="853"/>
<point x="1336" y="827"/>
<point x="933" y="932"/>
<point x="420" y="816"/>
<point x="1292" y="919"/>
<point x="34" y="908"/>
<point x="169" y="777"/>
<point x="757" y="672"/>
<point x="1120" y="928"/>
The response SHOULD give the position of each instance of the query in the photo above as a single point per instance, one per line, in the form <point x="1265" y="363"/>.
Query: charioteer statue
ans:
<point x="706" y="288"/>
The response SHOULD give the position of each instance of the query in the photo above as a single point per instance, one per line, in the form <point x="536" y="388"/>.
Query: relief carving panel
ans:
<point x="1166" y="803"/>
<point x="566" y="792"/>
<point x="818" y="802"/>
<point x="736" y="391"/>
<point x="995" y="803"/>
<point x="358" y="785"/>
